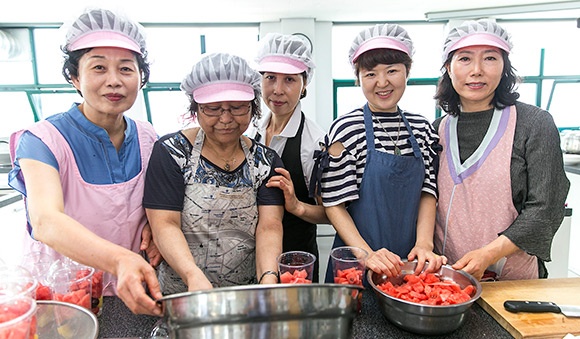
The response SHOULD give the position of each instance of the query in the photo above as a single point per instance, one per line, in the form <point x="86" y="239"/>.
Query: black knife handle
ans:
<point x="530" y="306"/>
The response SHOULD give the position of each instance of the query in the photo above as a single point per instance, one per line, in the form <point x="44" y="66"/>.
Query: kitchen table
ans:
<point x="117" y="321"/>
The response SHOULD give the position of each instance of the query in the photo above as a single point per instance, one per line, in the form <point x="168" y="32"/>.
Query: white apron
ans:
<point x="475" y="198"/>
<point x="219" y="224"/>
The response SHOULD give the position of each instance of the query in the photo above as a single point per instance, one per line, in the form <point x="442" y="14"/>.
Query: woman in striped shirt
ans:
<point x="379" y="188"/>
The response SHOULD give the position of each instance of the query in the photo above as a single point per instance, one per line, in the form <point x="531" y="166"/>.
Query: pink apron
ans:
<point x="113" y="212"/>
<point x="475" y="198"/>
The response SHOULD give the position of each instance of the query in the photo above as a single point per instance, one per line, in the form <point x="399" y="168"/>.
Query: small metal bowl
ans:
<point x="419" y="318"/>
<point x="263" y="311"/>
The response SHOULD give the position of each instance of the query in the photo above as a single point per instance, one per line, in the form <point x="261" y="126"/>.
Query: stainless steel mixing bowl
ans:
<point x="419" y="318"/>
<point x="60" y="320"/>
<point x="263" y="311"/>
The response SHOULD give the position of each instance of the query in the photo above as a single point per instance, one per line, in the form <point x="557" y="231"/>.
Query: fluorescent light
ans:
<point x="495" y="11"/>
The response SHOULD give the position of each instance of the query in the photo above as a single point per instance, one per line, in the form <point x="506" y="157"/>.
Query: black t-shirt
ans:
<point x="170" y="168"/>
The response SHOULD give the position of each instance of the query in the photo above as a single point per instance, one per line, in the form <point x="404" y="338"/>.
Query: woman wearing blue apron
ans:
<point x="378" y="182"/>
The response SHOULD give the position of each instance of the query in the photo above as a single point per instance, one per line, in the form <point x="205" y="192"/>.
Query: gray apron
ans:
<point x="219" y="224"/>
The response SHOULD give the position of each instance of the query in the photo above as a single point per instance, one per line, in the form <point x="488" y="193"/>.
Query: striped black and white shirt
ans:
<point x="341" y="181"/>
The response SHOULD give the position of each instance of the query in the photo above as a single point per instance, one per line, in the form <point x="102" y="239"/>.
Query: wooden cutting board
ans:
<point x="533" y="325"/>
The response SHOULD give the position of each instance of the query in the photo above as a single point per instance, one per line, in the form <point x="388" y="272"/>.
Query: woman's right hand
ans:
<point x="132" y="271"/>
<point x="198" y="281"/>
<point x="384" y="261"/>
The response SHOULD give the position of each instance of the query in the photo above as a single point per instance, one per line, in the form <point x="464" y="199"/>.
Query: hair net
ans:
<point x="287" y="54"/>
<point x="103" y="28"/>
<point x="391" y="36"/>
<point x="473" y="33"/>
<point x="222" y="77"/>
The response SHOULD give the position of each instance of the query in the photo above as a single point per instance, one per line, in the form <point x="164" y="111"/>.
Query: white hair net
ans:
<point x="472" y="33"/>
<point x="391" y="36"/>
<point x="222" y="77"/>
<point x="288" y="54"/>
<point x="103" y="28"/>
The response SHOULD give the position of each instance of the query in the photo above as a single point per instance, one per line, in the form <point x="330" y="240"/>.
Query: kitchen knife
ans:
<point x="541" y="306"/>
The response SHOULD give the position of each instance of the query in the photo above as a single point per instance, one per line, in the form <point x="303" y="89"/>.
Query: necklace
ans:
<point x="231" y="159"/>
<point x="397" y="150"/>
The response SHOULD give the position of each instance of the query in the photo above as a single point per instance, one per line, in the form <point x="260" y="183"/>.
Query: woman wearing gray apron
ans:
<point x="378" y="182"/>
<point x="286" y="65"/>
<point x="214" y="220"/>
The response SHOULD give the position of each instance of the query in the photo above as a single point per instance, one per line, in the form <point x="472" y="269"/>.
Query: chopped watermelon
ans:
<point x="349" y="276"/>
<point x="295" y="277"/>
<point x="428" y="289"/>
<point x="24" y="328"/>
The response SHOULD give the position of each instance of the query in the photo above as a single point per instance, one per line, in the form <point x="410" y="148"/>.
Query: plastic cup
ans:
<point x="38" y="264"/>
<point x="296" y="267"/>
<point x="18" y="317"/>
<point x="72" y="284"/>
<point x="16" y="281"/>
<point x="97" y="293"/>
<point x="348" y="265"/>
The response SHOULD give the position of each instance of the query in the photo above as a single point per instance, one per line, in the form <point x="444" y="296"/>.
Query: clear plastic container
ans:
<point x="18" y="317"/>
<point x="16" y="280"/>
<point x="296" y="267"/>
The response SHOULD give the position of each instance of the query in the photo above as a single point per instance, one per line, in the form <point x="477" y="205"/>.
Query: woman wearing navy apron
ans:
<point x="379" y="187"/>
<point x="285" y="62"/>
<point x="502" y="184"/>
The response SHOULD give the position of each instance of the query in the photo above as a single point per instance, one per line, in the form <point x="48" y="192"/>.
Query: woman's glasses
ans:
<point x="216" y="111"/>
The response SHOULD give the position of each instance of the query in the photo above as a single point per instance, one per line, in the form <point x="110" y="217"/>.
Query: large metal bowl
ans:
<point x="263" y="311"/>
<point x="419" y="318"/>
<point x="61" y="320"/>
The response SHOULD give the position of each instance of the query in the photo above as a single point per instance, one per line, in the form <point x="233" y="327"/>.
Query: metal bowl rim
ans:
<point x="170" y="297"/>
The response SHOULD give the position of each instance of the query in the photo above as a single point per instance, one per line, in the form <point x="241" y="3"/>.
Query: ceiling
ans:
<point x="242" y="11"/>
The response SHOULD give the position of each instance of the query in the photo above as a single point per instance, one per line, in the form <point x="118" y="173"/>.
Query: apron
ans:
<point x="113" y="212"/>
<point x="475" y="198"/>
<point x="219" y="224"/>
<point x="299" y="235"/>
<point x="386" y="212"/>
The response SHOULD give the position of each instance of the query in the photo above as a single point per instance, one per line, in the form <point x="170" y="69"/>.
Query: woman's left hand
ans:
<point x="284" y="182"/>
<point x="424" y="257"/>
<point x="148" y="245"/>
<point x="475" y="262"/>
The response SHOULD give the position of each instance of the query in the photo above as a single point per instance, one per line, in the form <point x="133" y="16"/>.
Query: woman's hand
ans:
<point x="475" y="262"/>
<point x="198" y="281"/>
<point x="384" y="261"/>
<point x="284" y="182"/>
<point x="149" y="246"/>
<point x="424" y="257"/>
<point x="132" y="271"/>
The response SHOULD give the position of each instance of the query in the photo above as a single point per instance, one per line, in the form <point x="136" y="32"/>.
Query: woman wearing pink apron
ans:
<point x="501" y="180"/>
<point x="82" y="171"/>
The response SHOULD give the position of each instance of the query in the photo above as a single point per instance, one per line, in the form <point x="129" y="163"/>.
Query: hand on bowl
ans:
<point x="427" y="260"/>
<point x="384" y="261"/>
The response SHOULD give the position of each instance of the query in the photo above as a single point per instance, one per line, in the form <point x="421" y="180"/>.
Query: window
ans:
<point x="32" y="86"/>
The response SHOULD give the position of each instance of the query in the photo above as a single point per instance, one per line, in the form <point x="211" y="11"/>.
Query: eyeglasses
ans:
<point x="216" y="111"/>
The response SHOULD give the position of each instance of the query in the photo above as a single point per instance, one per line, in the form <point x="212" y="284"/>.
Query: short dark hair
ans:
<point x="505" y="93"/>
<point x="70" y="67"/>
<point x="385" y="56"/>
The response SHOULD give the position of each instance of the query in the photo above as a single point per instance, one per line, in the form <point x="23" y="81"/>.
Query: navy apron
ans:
<point x="385" y="213"/>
